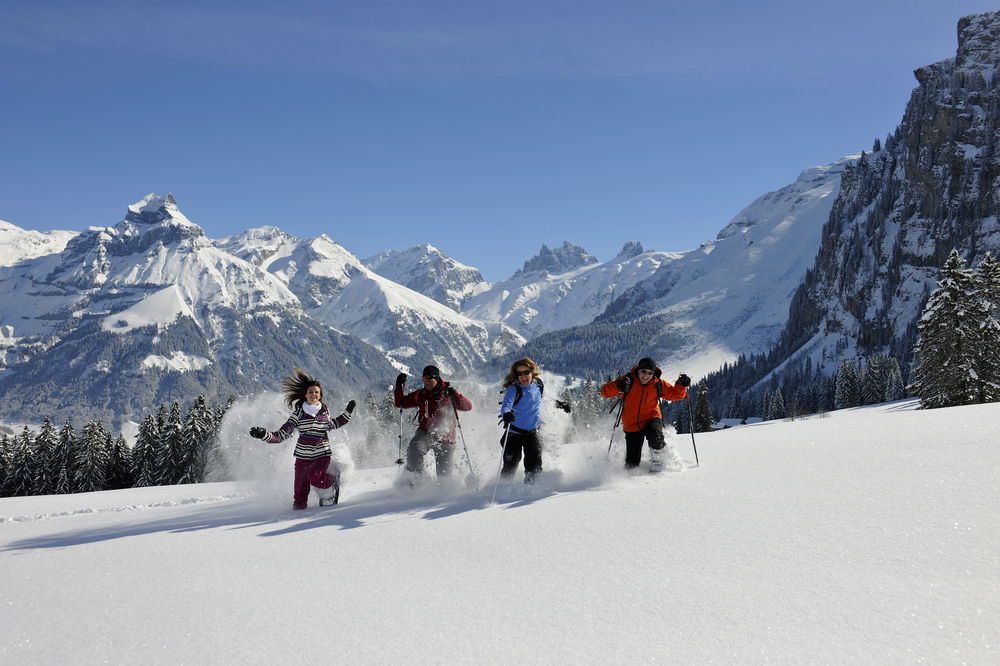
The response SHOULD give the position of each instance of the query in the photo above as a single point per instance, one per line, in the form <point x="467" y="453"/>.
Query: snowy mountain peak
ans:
<point x="556" y="261"/>
<point x="154" y="209"/>
<point x="817" y="181"/>
<point x="629" y="250"/>
<point x="152" y="220"/>
<point x="427" y="270"/>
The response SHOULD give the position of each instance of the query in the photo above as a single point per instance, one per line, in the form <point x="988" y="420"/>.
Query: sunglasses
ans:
<point x="645" y="372"/>
<point x="522" y="373"/>
<point x="431" y="377"/>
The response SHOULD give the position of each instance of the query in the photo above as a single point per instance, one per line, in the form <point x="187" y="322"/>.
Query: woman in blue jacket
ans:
<point x="519" y="412"/>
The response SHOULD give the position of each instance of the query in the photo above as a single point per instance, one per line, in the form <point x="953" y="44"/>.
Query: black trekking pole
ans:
<point x="503" y="452"/>
<point x="618" y="420"/>
<point x="691" y="426"/>
<point x="399" y="460"/>
<point x="472" y="479"/>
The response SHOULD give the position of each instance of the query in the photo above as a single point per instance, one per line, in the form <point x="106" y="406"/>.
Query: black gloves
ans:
<point x="563" y="405"/>
<point x="350" y="407"/>
<point x="508" y="418"/>
<point x="450" y="392"/>
<point x="257" y="432"/>
<point x="624" y="383"/>
<point x="683" y="380"/>
<point x="400" y="379"/>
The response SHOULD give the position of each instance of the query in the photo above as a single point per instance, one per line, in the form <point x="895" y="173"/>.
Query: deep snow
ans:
<point x="869" y="535"/>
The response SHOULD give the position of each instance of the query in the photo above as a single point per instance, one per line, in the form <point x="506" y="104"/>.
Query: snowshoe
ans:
<point x="330" y="496"/>
<point x="655" y="461"/>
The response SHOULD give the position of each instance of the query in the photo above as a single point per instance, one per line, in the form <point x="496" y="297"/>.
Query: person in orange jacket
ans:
<point x="641" y="391"/>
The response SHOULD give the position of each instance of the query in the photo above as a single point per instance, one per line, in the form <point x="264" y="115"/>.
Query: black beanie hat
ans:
<point x="432" y="371"/>
<point x="646" y="363"/>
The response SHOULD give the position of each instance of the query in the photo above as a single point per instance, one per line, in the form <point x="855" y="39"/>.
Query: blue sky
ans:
<point x="483" y="128"/>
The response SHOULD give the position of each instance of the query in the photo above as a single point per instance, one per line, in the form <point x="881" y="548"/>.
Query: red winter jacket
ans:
<point x="642" y="405"/>
<point x="436" y="415"/>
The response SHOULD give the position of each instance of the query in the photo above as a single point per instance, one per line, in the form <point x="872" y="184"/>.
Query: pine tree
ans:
<point x="848" y="393"/>
<point x="702" y="410"/>
<point x="955" y="359"/>
<point x="119" y="466"/>
<point x="776" y="406"/>
<point x="64" y="460"/>
<point x="6" y="458"/>
<point x="170" y="457"/>
<point x="988" y="275"/>
<point x="735" y="408"/>
<point x="881" y="380"/>
<point x="92" y="458"/>
<point x="20" y="476"/>
<point x="196" y="431"/>
<point x="144" y="454"/>
<point x="43" y="459"/>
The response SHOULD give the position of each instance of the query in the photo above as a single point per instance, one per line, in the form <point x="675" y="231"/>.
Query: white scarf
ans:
<point x="312" y="410"/>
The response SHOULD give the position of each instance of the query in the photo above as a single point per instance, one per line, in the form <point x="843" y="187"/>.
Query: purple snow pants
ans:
<point x="310" y="473"/>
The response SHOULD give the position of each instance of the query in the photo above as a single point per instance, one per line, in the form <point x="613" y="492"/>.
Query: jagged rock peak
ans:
<point x="977" y="58"/>
<point x="979" y="43"/>
<point x="561" y="259"/>
<point x="630" y="249"/>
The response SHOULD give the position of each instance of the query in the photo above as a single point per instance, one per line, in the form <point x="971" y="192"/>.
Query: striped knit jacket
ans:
<point x="313" y="441"/>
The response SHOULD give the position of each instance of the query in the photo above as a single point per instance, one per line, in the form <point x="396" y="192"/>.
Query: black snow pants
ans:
<point x="528" y="442"/>
<point x="653" y="431"/>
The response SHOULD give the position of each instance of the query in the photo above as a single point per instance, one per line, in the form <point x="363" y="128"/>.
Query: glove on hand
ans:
<point x="450" y="392"/>
<point x="400" y="379"/>
<point x="624" y="383"/>
<point x="257" y="432"/>
<point x="683" y="380"/>
<point x="563" y="405"/>
<point x="508" y="418"/>
<point x="350" y="407"/>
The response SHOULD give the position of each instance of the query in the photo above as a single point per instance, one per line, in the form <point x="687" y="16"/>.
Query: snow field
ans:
<point x="867" y="536"/>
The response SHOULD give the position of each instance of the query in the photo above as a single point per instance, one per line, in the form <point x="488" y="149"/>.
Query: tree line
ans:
<point x="170" y="448"/>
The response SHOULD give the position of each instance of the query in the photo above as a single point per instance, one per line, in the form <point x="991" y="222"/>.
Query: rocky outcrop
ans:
<point x="932" y="187"/>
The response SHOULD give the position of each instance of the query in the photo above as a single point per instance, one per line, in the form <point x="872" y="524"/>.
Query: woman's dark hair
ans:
<point x="295" y="388"/>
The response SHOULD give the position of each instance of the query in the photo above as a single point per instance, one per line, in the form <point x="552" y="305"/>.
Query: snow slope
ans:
<point x="867" y="536"/>
<point x="17" y="244"/>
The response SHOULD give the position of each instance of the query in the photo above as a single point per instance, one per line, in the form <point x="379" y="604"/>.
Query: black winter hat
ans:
<point x="646" y="363"/>
<point x="432" y="371"/>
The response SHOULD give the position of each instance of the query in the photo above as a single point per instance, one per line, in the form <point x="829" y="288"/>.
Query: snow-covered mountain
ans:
<point x="565" y="287"/>
<point x="126" y="316"/>
<point x="337" y="289"/>
<point x="694" y="310"/>
<point x="17" y="244"/>
<point x="427" y="270"/>
<point x="313" y="269"/>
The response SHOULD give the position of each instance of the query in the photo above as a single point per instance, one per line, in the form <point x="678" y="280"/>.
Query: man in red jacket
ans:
<point x="642" y="389"/>
<point x="436" y="403"/>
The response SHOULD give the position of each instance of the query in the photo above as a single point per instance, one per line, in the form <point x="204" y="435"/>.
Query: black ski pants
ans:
<point x="653" y="431"/>
<point x="527" y="442"/>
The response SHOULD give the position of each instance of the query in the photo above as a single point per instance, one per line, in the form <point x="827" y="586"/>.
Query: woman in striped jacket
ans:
<point x="311" y="417"/>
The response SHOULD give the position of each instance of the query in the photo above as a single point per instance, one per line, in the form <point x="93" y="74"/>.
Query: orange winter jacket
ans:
<point x="642" y="404"/>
